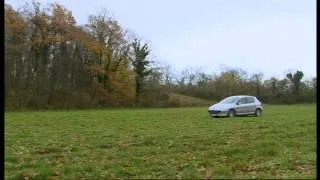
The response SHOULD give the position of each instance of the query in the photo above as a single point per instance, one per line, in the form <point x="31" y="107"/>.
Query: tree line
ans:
<point x="53" y="62"/>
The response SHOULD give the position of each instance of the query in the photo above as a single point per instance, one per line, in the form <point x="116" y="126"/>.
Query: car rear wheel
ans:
<point x="258" y="113"/>
<point x="231" y="113"/>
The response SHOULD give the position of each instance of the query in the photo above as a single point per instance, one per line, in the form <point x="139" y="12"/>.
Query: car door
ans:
<point x="251" y="106"/>
<point x="241" y="106"/>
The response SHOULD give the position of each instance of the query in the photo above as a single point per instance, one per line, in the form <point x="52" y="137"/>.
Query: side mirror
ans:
<point x="237" y="103"/>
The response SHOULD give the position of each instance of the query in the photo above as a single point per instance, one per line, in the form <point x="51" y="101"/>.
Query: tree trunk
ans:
<point x="138" y="90"/>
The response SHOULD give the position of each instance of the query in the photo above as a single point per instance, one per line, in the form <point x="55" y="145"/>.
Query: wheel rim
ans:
<point x="231" y="114"/>
<point x="258" y="113"/>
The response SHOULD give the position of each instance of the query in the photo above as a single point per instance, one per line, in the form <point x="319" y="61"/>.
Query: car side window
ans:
<point x="242" y="101"/>
<point x="250" y="100"/>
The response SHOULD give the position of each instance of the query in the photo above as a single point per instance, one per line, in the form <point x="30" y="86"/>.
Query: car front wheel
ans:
<point x="231" y="113"/>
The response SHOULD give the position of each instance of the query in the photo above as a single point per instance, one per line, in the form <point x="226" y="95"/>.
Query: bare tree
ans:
<point x="257" y="80"/>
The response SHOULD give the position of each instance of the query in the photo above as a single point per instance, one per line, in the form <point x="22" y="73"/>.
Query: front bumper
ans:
<point x="215" y="113"/>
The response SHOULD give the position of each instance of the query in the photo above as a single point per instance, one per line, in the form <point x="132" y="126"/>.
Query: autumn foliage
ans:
<point x="53" y="62"/>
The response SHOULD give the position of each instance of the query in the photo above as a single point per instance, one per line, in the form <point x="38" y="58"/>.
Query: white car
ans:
<point x="236" y="105"/>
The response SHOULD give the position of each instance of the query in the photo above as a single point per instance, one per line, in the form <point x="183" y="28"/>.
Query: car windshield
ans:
<point x="229" y="100"/>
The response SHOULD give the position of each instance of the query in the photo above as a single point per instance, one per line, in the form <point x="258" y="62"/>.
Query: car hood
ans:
<point x="220" y="107"/>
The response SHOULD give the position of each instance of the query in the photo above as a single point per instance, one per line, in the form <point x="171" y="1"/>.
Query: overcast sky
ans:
<point x="269" y="36"/>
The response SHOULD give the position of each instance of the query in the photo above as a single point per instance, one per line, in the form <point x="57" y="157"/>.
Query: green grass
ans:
<point x="160" y="143"/>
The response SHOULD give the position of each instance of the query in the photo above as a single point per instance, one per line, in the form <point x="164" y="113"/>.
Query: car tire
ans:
<point x="231" y="113"/>
<point x="258" y="112"/>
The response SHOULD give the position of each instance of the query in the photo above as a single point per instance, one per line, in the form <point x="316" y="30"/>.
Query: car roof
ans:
<point x="240" y="96"/>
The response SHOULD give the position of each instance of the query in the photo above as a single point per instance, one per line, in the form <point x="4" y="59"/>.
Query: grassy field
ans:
<point x="160" y="143"/>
